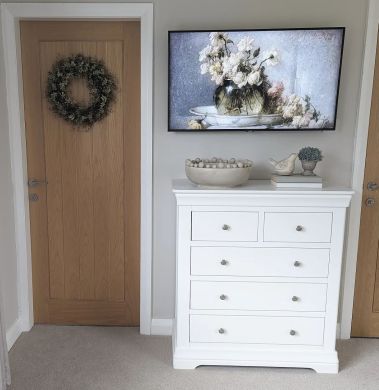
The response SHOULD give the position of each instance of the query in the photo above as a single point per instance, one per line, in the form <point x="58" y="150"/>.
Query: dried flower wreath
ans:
<point x="101" y="84"/>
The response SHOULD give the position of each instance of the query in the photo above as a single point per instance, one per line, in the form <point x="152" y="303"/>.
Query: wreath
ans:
<point x="101" y="85"/>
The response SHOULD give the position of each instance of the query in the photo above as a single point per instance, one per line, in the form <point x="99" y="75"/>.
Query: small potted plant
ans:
<point x="309" y="157"/>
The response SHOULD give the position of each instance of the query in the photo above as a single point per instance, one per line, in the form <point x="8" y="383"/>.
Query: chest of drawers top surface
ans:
<point x="257" y="187"/>
<point x="262" y="193"/>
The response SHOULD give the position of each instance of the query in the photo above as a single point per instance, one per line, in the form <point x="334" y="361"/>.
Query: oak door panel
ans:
<point x="85" y="225"/>
<point x="366" y="298"/>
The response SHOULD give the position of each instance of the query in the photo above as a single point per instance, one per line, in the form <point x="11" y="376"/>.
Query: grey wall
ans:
<point x="170" y="149"/>
<point x="8" y="269"/>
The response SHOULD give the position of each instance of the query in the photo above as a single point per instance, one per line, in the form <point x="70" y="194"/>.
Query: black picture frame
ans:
<point x="170" y="32"/>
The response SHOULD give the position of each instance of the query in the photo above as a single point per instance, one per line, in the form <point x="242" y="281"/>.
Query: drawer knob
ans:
<point x="299" y="228"/>
<point x="292" y="332"/>
<point x="225" y="227"/>
<point x="297" y="264"/>
<point x="223" y="297"/>
<point x="224" y="262"/>
<point x="295" y="298"/>
<point x="221" y="331"/>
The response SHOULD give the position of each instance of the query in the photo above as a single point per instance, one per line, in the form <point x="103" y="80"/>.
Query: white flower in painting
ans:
<point x="305" y="120"/>
<point x="272" y="57"/>
<point x="240" y="79"/>
<point x="218" y="39"/>
<point x="231" y="63"/>
<point x="245" y="44"/>
<point x="205" y="53"/>
<point x="289" y="111"/>
<point x="215" y="68"/>
<point x="296" y="120"/>
<point x="204" y="68"/>
<point x="322" y="122"/>
<point x="254" y="78"/>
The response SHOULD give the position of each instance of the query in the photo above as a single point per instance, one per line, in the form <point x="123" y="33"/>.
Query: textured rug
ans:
<point x="94" y="358"/>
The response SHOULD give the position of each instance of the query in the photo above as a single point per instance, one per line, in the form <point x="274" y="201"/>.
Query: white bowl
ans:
<point x="218" y="177"/>
<point x="212" y="118"/>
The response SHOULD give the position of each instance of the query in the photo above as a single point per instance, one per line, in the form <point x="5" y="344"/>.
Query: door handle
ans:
<point x="372" y="186"/>
<point x="36" y="182"/>
<point x="370" y="202"/>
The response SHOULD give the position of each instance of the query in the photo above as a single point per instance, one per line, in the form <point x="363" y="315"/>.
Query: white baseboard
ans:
<point x="13" y="333"/>
<point x="161" y="326"/>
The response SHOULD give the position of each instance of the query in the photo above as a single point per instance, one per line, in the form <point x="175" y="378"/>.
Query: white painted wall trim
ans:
<point x="11" y="14"/>
<point x="161" y="326"/>
<point x="13" y="333"/>
<point x="359" y="167"/>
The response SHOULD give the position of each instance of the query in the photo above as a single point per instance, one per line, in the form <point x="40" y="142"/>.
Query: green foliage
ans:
<point x="310" y="154"/>
<point x="101" y="84"/>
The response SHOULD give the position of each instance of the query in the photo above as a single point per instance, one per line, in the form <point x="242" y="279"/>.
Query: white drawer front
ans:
<point x="257" y="330"/>
<point x="258" y="296"/>
<point x="234" y="261"/>
<point x="224" y="226"/>
<point x="298" y="227"/>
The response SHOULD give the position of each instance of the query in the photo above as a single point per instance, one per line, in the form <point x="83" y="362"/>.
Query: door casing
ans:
<point x="11" y="14"/>
<point x="359" y="158"/>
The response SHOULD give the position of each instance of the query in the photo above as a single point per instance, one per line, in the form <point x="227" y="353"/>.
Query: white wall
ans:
<point x="170" y="149"/>
<point x="8" y="267"/>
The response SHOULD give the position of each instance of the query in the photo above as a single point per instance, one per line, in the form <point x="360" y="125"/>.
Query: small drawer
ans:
<point x="280" y="262"/>
<point x="224" y="226"/>
<point x="256" y="330"/>
<point x="298" y="227"/>
<point x="297" y="297"/>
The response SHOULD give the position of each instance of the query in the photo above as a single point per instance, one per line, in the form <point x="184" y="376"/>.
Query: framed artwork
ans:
<point x="250" y="80"/>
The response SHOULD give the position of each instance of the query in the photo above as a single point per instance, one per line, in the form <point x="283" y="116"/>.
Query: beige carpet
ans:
<point x="91" y="358"/>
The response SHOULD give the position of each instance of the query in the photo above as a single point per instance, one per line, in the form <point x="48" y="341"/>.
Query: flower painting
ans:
<point x="254" y="80"/>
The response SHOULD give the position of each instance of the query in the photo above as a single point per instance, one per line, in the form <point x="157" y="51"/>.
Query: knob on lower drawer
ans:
<point x="223" y="297"/>
<point x="221" y="331"/>
<point x="292" y="332"/>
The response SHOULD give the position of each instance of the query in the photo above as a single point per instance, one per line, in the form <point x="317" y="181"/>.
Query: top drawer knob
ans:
<point x="225" y="227"/>
<point x="223" y="297"/>
<point x="224" y="262"/>
<point x="295" y="298"/>
<point x="299" y="228"/>
<point x="297" y="264"/>
<point x="292" y="332"/>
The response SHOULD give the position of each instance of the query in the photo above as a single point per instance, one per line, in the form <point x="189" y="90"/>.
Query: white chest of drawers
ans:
<point x="258" y="276"/>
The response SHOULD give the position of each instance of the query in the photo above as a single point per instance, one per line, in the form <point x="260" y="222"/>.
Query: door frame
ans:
<point x="359" y="159"/>
<point x="11" y="14"/>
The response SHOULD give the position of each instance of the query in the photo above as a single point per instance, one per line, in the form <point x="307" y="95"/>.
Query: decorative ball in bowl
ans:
<point x="218" y="172"/>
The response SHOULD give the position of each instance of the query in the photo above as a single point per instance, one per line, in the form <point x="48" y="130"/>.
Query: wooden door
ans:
<point x="366" y="298"/>
<point x="85" y="221"/>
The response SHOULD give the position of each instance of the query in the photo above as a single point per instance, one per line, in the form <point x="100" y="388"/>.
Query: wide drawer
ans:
<point x="258" y="296"/>
<point x="235" y="261"/>
<point x="257" y="330"/>
<point x="224" y="226"/>
<point x="297" y="227"/>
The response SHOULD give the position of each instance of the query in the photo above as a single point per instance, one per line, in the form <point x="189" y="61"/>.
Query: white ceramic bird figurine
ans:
<point x="284" y="167"/>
